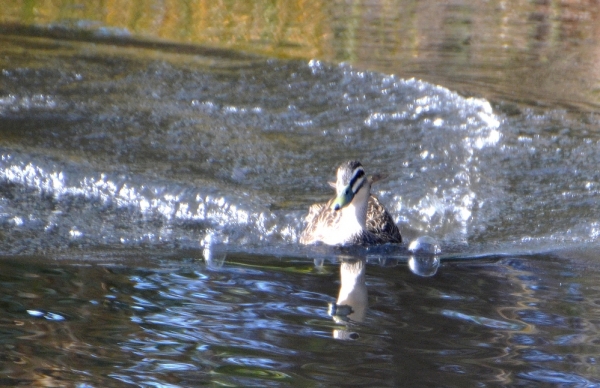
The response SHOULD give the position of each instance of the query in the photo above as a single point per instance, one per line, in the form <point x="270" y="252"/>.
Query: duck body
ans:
<point x="354" y="217"/>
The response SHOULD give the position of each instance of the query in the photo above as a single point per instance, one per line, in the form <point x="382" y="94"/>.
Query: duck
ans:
<point x="354" y="216"/>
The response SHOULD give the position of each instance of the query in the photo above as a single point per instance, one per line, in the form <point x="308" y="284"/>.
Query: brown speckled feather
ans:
<point x="320" y="216"/>
<point x="381" y="228"/>
<point x="380" y="223"/>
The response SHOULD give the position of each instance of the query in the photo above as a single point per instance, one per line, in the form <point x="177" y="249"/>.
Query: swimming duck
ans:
<point x="354" y="217"/>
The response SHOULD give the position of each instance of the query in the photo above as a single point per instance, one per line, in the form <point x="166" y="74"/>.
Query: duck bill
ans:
<point x="341" y="200"/>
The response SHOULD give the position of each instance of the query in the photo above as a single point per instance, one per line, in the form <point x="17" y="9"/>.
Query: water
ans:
<point x="263" y="321"/>
<point x="106" y="150"/>
<point x="151" y="203"/>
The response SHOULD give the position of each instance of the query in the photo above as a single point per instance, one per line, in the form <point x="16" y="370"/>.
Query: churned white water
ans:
<point x="172" y="153"/>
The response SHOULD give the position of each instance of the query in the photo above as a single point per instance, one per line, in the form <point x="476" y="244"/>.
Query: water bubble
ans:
<point x="424" y="245"/>
<point x="424" y="261"/>
<point x="213" y="258"/>
<point x="424" y="266"/>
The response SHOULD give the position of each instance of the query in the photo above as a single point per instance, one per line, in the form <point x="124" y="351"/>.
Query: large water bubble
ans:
<point x="424" y="245"/>
<point x="424" y="260"/>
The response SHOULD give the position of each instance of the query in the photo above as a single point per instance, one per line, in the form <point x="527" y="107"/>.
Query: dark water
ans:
<point x="263" y="321"/>
<point x="151" y="202"/>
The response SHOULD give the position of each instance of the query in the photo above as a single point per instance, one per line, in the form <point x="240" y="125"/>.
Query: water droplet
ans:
<point x="212" y="257"/>
<point x="423" y="265"/>
<point x="424" y="261"/>
<point x="425" y="245"/>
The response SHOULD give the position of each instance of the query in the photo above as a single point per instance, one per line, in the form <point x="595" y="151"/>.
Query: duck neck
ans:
<point x="354" y="216"/>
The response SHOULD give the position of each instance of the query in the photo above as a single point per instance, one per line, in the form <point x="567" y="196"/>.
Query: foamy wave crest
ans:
<point x="172" y="204"/>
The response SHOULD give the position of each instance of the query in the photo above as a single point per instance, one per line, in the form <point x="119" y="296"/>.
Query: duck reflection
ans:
<point x="352" y="301"/>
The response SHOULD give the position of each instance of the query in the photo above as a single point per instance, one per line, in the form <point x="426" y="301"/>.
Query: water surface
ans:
<point x="152" y="194"/>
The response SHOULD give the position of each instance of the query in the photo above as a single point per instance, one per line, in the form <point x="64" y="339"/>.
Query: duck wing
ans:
<point x="380" y="223"/>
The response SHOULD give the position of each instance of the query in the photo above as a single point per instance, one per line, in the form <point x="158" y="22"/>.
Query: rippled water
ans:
<point x="151" y="204"/>
<point x="264" y="321"/>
